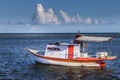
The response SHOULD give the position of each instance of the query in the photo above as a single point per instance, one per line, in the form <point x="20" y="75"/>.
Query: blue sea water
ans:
<point x="15" y="65"/>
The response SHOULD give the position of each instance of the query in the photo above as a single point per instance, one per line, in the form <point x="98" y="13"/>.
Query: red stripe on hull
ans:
<point x="72" y="60"/>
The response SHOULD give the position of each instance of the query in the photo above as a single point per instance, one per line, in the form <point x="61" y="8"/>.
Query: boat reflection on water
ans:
<point x="52" y="72"/>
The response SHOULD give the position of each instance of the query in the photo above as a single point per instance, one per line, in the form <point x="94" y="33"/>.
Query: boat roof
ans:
<point x="64" y="44"/>
<point x="94" y="39"/>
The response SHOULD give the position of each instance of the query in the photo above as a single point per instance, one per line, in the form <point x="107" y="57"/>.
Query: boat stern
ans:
<point x="102" y="64"/>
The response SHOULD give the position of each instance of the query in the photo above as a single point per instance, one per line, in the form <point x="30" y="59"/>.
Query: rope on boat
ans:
<point x="27" y="56"/>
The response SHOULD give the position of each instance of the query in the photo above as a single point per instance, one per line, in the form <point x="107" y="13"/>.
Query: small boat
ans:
<point x="73" y="53"/>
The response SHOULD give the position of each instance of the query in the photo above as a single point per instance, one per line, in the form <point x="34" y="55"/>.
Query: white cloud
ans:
<point x="88" y="21"/>
<point x="42" y="16"/>
<point x="45" y="17"/>
<point x="96" y="21"/>
<point x="79" y="19"/>
<point x="65" y="17"/>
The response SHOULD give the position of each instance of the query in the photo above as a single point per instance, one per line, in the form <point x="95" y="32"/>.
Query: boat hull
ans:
<point x="65" y="62"/>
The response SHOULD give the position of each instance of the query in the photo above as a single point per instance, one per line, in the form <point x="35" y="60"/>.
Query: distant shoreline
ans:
<point x="59" y="34"/>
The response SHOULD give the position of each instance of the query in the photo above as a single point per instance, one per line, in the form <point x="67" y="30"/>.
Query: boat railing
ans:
<point x="113" y="50"/>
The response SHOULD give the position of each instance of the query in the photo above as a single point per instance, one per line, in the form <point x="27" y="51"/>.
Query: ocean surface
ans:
<point x="15" y="65"/>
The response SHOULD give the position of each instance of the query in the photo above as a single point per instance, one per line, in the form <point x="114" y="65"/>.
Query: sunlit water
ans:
<point x="15" y="65"/>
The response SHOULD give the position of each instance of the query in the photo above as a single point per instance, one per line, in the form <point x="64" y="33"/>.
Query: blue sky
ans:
<point x="97" y="16"/>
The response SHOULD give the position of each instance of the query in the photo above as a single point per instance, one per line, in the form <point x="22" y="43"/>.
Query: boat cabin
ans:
<point x="62" y="50"/>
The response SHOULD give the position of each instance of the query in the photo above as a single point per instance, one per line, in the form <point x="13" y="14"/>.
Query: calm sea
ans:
<point x="15" y="65"/>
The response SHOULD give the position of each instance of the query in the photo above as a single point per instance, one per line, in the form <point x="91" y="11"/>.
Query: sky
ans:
<point x="59" y="16"/>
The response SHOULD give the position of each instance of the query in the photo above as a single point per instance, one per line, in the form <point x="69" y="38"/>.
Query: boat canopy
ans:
<point x="93" y="38"/>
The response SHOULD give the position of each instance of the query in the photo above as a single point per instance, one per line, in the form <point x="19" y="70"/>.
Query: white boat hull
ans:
<point x="45" y="61"/>
<point x="65" y="62"/>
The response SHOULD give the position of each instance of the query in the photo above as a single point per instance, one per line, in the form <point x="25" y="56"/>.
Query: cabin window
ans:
<point x="53" y="48"/>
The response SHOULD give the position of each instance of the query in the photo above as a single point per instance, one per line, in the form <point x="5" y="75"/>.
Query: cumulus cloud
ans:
<point x="96" y="21"/>
<point x="42" y="16"/>
<point x="79" y="19"/>
<point x="68" y="19"/>
<point x="88" y="21"/>
<point x="65" y="17"/>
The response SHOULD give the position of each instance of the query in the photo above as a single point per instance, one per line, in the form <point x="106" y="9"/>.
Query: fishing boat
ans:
<point x="73" y="53"/>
